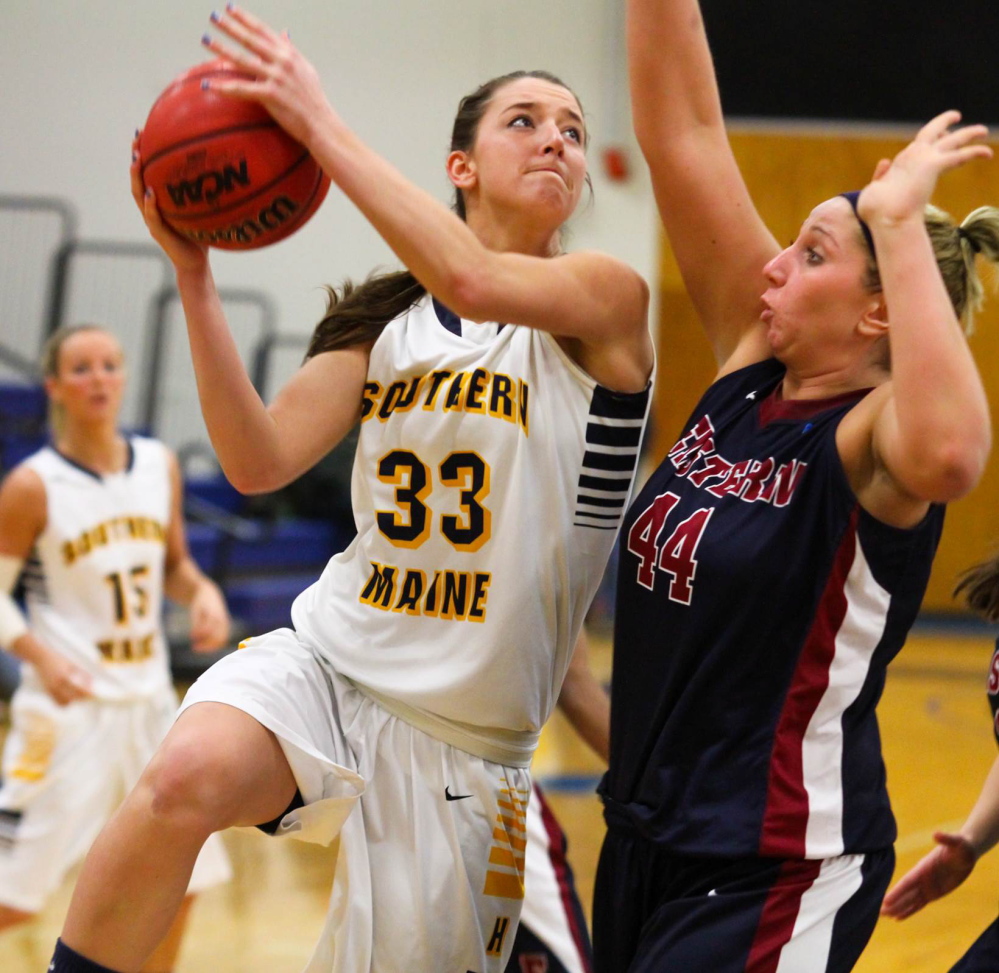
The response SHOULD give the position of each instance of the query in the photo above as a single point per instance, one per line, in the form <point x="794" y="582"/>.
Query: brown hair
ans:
<point x="955" y="247"/>
<point x="979" y="585"/>
<point x="356" y="314"/>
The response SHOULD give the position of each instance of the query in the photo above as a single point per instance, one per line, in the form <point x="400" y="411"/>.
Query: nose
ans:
<point x="775" y="271"/>
<point x="554" y="141"/>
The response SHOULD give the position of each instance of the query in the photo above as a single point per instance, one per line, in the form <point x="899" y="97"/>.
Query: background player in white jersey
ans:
<point x="94" y="522"/>
<point x="500" y="425"/>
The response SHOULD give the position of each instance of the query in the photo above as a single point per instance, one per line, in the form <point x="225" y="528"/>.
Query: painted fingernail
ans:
<point x="149" y="192"/>
<point x="205" y="84"/>
<point x="215" y="16"/>
<point x="230" y="5"/>
<point x="136" y="133"/>
<point x="134" y="156"/>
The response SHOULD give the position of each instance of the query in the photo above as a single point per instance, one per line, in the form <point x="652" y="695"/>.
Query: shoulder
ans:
<point x="23" y="482"/>
<point x="23" y="507"/>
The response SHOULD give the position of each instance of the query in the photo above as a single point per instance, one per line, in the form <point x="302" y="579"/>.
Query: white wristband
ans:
<point x="12" y="621"/>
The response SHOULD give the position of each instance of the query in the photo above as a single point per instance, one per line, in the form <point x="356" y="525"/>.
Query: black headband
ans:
<point x="851" y="198"/>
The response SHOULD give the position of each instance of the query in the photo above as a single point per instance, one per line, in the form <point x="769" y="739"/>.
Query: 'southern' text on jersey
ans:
<point x="751" y="480"/>
<point x="477" y="391"/>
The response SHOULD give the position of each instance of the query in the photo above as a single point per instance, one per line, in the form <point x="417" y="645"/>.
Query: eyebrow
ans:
<point x="533" y="105"/>
<point x="816" y="228"/>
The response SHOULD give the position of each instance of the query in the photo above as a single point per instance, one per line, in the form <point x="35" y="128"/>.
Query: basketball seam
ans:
<point x="188" y="217"/>
<point x="215" y="133"/>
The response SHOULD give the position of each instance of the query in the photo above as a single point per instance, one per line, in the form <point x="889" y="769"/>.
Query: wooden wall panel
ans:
<point x="788" y="173"/>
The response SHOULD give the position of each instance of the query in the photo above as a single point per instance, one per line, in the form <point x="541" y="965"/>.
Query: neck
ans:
<point x="103" y="449"/>
<point x="828" y="384"/>
<point x="508" y="236"/>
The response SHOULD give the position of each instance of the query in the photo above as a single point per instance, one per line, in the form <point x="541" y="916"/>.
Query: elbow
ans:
<point x="957" y="469"/>
<point x="253" y="481"/>
<point x="469" y="292"/>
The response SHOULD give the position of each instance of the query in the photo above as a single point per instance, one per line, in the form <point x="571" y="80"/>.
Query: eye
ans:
<point x="521" y="121"/>
<point x="575" y="134"/>
<point x="812" y="256"/>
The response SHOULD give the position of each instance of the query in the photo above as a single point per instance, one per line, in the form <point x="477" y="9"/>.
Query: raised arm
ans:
<point x="261" y="448"/>
<point x="718" y="238"/>
<point x="587" y="297"/>
<point x="930" y="431"/>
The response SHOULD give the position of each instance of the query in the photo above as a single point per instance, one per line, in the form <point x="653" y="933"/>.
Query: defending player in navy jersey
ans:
<point x="501" y="388"/>
<point x="956" y="854"/>
<point x="773" y="563"/>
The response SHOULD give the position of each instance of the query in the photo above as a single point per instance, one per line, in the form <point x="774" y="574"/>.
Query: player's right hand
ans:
<point x="940" y="872"/>
<point x="63" y="681"/>
<point x="184" y="254"/>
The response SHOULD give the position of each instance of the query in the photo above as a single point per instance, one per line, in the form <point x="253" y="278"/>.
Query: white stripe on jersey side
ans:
<point x="593" y="420"/>
<point x="609" y="474"/>
<point x="811" y="940"/>
<point x="605" y="494"/>
<point x="612" y="450"/>
<point x="822" y="747"/>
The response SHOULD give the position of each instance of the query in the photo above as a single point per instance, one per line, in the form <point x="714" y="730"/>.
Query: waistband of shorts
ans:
<point x="511" y="748"/>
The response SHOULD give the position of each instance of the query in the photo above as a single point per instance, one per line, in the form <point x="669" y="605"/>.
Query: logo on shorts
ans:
<point x="454" y="797"/>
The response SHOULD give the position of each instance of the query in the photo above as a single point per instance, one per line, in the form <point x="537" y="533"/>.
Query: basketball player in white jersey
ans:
<point x="93" y="524"/>
<point x="502" y="389"/>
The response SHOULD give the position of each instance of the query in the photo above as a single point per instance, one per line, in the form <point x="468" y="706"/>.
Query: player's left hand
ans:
<point x="210" y="621"/>
<point x="939" y="872"/>
<point x="282" y="79"/>
<point x="901" y="187"/>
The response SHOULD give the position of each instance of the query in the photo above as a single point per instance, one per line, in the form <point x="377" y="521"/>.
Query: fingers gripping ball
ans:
<point x="224" y="172"/>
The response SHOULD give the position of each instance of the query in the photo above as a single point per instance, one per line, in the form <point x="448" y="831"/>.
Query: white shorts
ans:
<point x="65" y="770"/>
<point x="430" y="873"/>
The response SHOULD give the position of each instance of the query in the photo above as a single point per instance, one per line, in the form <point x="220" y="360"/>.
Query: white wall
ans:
<point x="79" y="77"/>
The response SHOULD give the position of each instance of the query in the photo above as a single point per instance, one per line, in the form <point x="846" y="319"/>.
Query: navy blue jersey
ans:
<point x="758" y="607"/>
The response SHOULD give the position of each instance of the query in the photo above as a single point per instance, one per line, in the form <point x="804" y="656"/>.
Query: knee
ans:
<point x="185" y="785"/>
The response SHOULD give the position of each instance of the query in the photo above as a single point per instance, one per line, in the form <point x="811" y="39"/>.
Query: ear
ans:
<point x="874" y="321"/>
<point x="50" y="386"/>
<point x="461" y="170"/>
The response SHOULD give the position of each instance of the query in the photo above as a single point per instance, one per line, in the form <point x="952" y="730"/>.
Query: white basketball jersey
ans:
<point x="94" y="581"/>
<point x="490" y="479"/>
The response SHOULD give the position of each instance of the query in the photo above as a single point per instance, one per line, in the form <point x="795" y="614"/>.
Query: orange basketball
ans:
<point x="224" y="172"/>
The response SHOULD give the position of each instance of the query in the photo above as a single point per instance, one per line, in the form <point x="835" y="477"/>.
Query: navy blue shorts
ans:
<point x="658" y="912"/>
<point x="983" y="956"/>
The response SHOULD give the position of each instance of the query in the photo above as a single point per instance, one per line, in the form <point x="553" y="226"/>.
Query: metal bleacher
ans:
<point x="261" y="550"/>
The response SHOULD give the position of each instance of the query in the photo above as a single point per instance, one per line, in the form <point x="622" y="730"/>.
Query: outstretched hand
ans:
<point x="280" y="77"/>
<point x="185" y="254"/>
<point x="901" y="187"/>
<point x="939" y="873"/>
